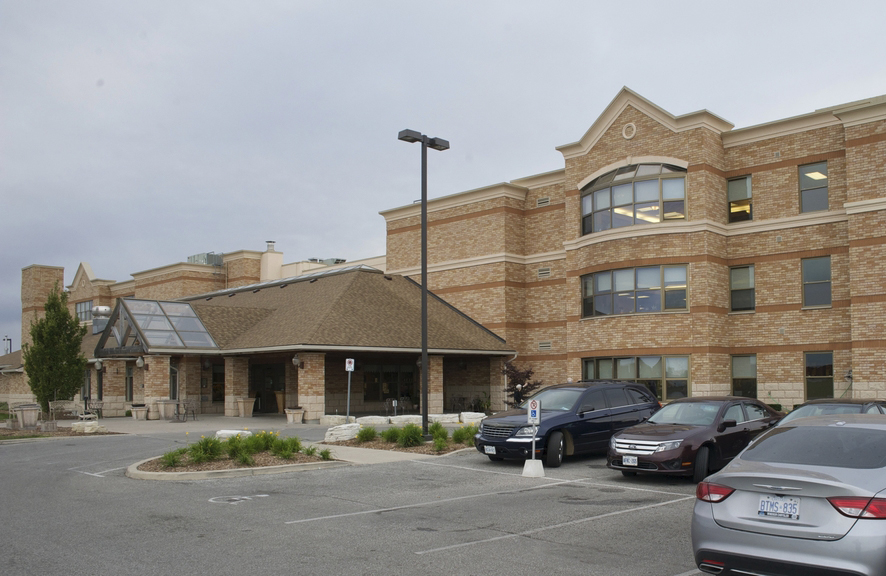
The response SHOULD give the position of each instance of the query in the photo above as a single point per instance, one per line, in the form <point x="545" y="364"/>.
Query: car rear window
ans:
<point x="839" y="446"/>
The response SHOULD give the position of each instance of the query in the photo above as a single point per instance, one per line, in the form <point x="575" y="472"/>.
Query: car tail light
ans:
<point x="710" y="492"/>
<point x="857" y="507"/>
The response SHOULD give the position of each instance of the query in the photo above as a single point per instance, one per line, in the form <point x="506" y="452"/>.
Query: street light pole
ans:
<point x="8" y="339"/>
<point x="437" y="144"/>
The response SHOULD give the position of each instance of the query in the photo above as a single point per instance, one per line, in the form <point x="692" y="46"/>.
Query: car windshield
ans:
<point x="840" y="446"/>
<point x="822" y="410"/>
<point x="561" y="399"/>
<point x="687" y="414"/>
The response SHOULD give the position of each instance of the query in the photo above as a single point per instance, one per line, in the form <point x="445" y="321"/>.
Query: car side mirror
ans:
<point x="726" y="424"/>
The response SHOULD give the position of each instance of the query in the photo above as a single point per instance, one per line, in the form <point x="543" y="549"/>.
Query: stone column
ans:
<point x="156" y="375"/>
<point x="312" y="384"/>
<point x="291" y="386"/>
<point x="236" y="382"/>
<point x="497" y="383"/>
<point x="113" y="393"/>
<point x="435" y="384"/>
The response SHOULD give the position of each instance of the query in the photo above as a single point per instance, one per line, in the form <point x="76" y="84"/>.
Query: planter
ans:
<point x="27" y="415"/>
<point x="279" y="395"/>
<point x="245" y="405"/>
<point x="139" y="412"/>
<point x="294" y="415"/>
<point x="167" y="408"/>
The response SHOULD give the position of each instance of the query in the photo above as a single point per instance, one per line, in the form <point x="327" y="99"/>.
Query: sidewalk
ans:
<point x="209" y="424"/>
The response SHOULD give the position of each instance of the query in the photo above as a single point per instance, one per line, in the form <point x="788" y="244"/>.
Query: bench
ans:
<point x="67" y="409"/>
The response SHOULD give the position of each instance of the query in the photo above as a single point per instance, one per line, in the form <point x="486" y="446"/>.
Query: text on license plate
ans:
<point x="628" y="460"/>
<point x="779" y="507"/>
<point x="489" y="449"/>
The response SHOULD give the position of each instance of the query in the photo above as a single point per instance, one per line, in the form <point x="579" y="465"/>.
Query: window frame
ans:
<point x="614" y="295"/>
<point x="807" y="191"/>
<point x="818" y="379"/>
<point x="733" y="216"/>
<point x="611" y="180"/>
<point x="84" y="313"/>
<point x="658" y="386"/>
<point x="752" y="289"/>
<point x="737" y="390"/>
<point x="808" y="285"/>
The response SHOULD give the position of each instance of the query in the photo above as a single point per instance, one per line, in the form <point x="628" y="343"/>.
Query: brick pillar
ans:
<point x="291" y="386"/>
<point x="497" y="383"/>
<point x="156" y="373"/>
<point x="236" y="382"/>
<point x="435" y="384"/>
<point x="37" y="283"/>
<point x="312" y="384"/>
<point x="113" y="393"/>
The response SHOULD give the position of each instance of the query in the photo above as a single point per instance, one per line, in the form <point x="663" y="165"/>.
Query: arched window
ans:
<point x="635" y="194"/>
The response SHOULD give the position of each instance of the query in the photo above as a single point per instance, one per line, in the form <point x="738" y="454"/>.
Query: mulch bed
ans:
<point x="426" y="448"/>
<point x="225" y="463"/>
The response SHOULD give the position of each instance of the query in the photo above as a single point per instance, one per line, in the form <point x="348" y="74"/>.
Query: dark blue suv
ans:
<point x="576" y="418"/>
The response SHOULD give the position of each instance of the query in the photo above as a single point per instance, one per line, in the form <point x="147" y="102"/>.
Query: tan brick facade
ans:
<point x="513" y="256"/>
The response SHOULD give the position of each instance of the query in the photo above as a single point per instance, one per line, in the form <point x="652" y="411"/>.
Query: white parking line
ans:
<point x="97" y="474"/>
<point x="544" y="528"/>
<point x="690" y="573"/>
<point x="585" y="481"/>
<point x="421" y="504"/>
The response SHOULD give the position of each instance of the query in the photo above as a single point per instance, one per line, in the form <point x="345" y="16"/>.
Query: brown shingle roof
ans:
<point x="357" y="308"/>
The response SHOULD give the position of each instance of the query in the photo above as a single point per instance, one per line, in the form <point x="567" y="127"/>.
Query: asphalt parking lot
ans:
<point x="69" y="508"/>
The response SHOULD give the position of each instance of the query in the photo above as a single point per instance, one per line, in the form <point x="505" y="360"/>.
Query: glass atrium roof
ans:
<point x="155" y="324"/>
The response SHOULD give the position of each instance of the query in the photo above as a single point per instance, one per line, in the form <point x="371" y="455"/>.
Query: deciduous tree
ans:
<point x="521" y="378"/>
<point x="53" y="361"/>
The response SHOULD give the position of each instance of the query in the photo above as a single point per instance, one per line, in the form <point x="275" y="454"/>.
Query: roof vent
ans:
<point x="546" y="345"/>
<point x="546" y="201"/>
<point x="208" y="258"/>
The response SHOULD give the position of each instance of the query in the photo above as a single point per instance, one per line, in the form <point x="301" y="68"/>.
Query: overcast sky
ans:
<point x="134" y="134"/>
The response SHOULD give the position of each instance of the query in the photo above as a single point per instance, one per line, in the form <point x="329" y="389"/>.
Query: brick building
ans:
<point x="673" y="250"/>
<point x="681" y="252"/>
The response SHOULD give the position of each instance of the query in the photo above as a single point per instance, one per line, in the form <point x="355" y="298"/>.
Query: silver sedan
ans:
<point x="805" y="498"/>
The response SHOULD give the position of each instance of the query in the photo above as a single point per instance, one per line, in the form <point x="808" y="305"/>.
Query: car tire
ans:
<point x="700" y="471"/>
<point x="556" y="447"/>
<point x="628" y="473"/>
<point x="495" y="458"/>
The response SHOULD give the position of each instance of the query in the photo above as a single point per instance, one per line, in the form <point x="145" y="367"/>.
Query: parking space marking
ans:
<point x="97" y="474"/>
<point x="690" y="573"/>
<point x="586" y="481"/>
<point x="429" y="503"/>
<point x="553" y="527"/>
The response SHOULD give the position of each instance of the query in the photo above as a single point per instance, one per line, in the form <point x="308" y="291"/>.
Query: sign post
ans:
<point x="349" y="367"/>
<point x="533" y="467"/>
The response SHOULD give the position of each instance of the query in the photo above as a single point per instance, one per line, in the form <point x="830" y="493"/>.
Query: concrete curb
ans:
<point x="135" y="473"/>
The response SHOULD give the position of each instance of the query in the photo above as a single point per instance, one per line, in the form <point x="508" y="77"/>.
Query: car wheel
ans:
<point x="495" y="458"/>
<point x="628" y="473"/>
<point x="556" y="447"/>
<point x="700" y="471"/>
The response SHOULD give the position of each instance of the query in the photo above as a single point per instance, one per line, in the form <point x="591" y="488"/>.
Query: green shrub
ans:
<point x="309" y="450"/>
<point x="205" y="450"/>
<point x="129" y="413"/>
<point x="367" y="434"/>
<point x="285" y="447"/>
<point x="441" y="443"/>
<point x="437" y="430"/>
<point x="464" y="435"/>
<point x="246" y="459"/>
<point x="411" y="435"/>
<point x="260" y="442"/>
<point x="391" y="435"/>
<point x="234" y="446"/>
<point x="776" y="407"/>
<point x="326" y="454"/>
<point x="173" y="459"/>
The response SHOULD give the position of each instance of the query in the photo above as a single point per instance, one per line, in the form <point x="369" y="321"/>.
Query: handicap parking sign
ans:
<point x="533" y="411"/>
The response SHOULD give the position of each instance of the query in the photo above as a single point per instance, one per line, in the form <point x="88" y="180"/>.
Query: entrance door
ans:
<point x="266" y="380"/>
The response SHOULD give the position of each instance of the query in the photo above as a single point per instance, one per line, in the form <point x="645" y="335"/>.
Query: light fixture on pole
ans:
<point x="5" y="340"/>
<point x="437" y="144"/>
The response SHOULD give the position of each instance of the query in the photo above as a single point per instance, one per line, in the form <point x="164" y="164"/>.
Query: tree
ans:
<point x="53" y="361"/>
<point x="521" y="378"/>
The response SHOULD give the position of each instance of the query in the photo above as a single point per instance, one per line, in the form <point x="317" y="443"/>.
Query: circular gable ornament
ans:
<point x="629" y="131"/>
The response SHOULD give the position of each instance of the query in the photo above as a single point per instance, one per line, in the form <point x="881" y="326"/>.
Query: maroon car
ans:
<point x="690" y="436"/>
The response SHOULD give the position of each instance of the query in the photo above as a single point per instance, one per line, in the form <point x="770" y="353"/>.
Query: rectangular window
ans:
<point x="84" y="311"/>
<point x="634" y="290"/>
<point x="739" y="195"/>
<point x="817" y="281"/>
<point x="218" y="382"/>
<point x="127" y="384"/>
<point x="741" y="286"/>
<point x="666" y="376"/>
<point x="744" y="376"/>
<point x="819" y="375"/>
<point x="814" y="187"/>
<point x="86" y="389"/>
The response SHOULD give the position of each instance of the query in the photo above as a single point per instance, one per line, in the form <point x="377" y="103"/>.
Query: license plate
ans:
<point x="489" y="449"/>
<point x="628" y="460"/>
<point x="779" y="507"/>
